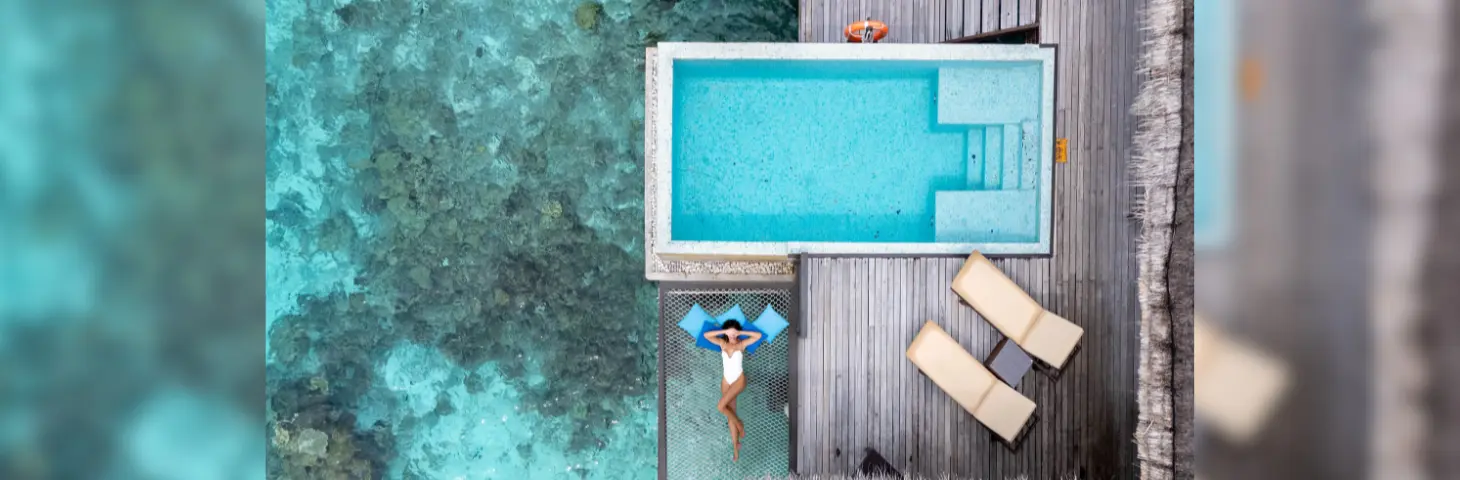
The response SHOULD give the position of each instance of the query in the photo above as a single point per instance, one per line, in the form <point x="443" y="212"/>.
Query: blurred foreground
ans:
<point x="131" y="278"/>
<point x="1318" y="179"/>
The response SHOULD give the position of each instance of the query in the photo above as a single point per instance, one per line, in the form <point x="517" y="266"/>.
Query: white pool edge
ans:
<point x="664" y="129"/>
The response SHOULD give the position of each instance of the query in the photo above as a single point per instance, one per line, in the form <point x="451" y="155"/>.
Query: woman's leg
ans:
<point x="727" y="407"/>
<point x="731" y="416"/>
<point x="727" y="398"/>
<point x="739" y="427"/>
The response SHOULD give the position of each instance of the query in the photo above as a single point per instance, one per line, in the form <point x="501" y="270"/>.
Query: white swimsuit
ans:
<point x="732" y="365"/>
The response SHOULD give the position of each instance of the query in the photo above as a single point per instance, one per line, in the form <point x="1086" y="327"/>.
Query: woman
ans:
<point x="732" y="342"/>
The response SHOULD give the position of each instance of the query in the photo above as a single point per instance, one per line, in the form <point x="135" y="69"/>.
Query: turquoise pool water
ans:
<point x="455" y="234"/>
<point x="856" y="151"/>
<point x="1216" y="109"/>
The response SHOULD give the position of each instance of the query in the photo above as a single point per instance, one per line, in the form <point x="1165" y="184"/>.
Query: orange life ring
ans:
<point x="855" y="30"/>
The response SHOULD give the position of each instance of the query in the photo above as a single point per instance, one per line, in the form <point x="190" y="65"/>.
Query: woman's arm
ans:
<point x="753" y="336"/>
<point x="714" y="337"/>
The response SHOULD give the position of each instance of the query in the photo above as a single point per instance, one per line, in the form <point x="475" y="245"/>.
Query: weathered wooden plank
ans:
<point x="902" y="315"/>
<point x="817" y="338"/>
<point x="807" y="419"/>
<point x="1008" y="13"/>
<point x="951" y="409"/>
<point x="833" y="368"/>
<point x="990" y="14"/>
<point x="1064" y="90"/>
<point x="901" y="447"/>
<point x="972" y="16"/>
<point x="1027" y="12"/>
<point x="833" y="306"/>
<point x="1077" y="135"/>
<point x="931" y="395"/>
<point x="900" y="407"/>
<point x="831" y="365"/>
<point x="903" y="11"/>
<point x="805" y="380"/>
<point x="876" y="364"/>
<point x="932" y="19"/>
<point x="856" y="431"/>
<point x="886" y="364"/>
<point x="841" y="343"/>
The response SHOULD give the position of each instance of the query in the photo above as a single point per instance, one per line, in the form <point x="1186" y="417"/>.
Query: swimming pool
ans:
<point x="776" y="149"/>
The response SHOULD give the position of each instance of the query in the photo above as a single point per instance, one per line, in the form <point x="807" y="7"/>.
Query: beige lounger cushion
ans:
<point x="997" y="298"/>
<point x="1205" y="342"/>
<point x="1237" y="387"/>
<point x="1051" y="339"/>
<point x="1010" y="309"/>
<point x="961" y="376"/>
<point x="957" y="372"/>
<point x="1004" y="411"/>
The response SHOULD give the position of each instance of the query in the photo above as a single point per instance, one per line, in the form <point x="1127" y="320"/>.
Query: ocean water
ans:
<point x="855" y="151"/>
<point x="454" y="234"/>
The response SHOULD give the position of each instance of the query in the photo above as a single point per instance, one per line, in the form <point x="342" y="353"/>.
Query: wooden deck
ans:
<point x="856" y="390"/>
<point x="916" y="21"/>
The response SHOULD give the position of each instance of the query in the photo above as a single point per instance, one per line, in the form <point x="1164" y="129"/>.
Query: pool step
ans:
<point x="1002" y="157"/>
<point x="993" y="152"/>
<point x="976" y="158"/>
<point x="1011" y="167"/>
<point x="986" y="216"/>
<point x="1028" y="153"/>
<point x="989" y="94"/>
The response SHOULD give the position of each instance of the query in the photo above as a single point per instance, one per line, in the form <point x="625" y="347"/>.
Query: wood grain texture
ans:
<point x="914" y="21"/>
<point x="990" y="15"/>
<point x="1008" y="13"/>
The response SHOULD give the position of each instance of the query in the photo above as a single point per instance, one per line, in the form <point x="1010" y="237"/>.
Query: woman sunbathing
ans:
<point x="732" y="342"/>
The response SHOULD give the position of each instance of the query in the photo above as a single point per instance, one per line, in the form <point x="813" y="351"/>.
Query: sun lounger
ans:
<point x="1237" y="386"/>
<point x="1041" y="333"/>
<point x="960" y="375"/>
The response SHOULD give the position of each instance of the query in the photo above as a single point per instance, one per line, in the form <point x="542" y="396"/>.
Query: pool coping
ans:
<point x="660" y="151"/>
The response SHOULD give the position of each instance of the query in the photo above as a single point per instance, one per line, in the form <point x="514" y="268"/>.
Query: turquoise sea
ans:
<point x="454" y="233"/>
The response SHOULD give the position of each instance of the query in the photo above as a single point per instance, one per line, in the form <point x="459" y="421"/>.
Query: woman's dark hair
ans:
<point x="729" y="324"/>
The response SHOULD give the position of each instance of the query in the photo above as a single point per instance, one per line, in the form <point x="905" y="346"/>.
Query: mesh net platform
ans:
<point x="694" y="436"/>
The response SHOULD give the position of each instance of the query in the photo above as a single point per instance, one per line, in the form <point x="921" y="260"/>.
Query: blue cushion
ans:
<point x="770" y="324"/>
<point x="700" y="341"/>
<point x="750" y="327"/>
<point x="699" y="322"/>
<point x="738" y="315"/>
<point x="734" y="314"/>
<point x="696" y="317"/>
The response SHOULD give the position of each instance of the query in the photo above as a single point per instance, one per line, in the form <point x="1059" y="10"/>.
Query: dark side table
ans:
<point x="1009" y="362"/>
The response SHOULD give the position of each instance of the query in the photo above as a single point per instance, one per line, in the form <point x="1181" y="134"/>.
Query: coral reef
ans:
<point x="476" y="169"/>
<point x="318" y="439"/>
<point x="587" y="14"/>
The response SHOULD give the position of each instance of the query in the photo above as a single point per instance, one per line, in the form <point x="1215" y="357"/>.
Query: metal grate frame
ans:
<point x="693" y="436"/>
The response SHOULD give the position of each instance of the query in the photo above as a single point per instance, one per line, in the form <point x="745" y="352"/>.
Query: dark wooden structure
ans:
<point x="856" y="390"/>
